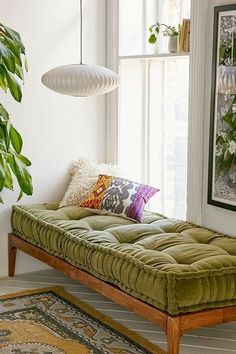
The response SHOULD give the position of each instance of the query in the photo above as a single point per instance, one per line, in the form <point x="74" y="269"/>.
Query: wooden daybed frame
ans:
<point x="174" y="326"/>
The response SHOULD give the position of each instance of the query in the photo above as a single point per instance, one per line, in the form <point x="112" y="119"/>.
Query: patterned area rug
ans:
<point x="51" y="321"/>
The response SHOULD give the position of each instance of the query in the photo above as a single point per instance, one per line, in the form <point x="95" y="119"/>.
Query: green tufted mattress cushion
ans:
<point x="173" y="265"/>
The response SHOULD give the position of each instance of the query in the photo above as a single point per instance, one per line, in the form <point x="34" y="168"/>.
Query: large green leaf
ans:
<point x="11" y="162"/>
<point x="2" y="178"/>
<point x="15" y="36"/>
<point x="15" y="49"/>
<point x="12" y="45"/>
<point x="3" y="83"/>
<point x="2" y="174"/>
<point x="3" y="137"/>
<point x="14" y="86"/>
<point x="8" y="178"/>
<point x="24" y="159"/>
<point x="16" y="139"/>
<point x="8" y="137"/>
<point x="7" y="57"/>
<point x="23" y="177"/>
<point x="5" y="133"/>
<point x="19" y="72"/>
<point x="19" y="61"/>
<point x="3" y="113"/>
<point x="2" y="133"/>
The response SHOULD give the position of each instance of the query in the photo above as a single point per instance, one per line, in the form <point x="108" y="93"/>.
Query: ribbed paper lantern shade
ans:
<point x="81" y="80"/>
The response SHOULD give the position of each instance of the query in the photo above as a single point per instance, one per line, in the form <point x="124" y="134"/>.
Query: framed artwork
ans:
<point x="222" y="143"/>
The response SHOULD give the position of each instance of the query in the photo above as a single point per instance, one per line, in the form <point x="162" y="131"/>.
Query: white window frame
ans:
<point x="199" y="11"/>
<point x="112" y="114"/>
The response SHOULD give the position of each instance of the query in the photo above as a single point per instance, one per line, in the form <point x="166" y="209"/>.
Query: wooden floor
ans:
<point x="219" y="339"/>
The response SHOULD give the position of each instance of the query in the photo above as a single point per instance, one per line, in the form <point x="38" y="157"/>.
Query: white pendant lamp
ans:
<point x="81" y="80"/>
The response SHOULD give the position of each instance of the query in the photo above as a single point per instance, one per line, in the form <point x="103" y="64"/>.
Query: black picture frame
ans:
<point x="212" y="199"/>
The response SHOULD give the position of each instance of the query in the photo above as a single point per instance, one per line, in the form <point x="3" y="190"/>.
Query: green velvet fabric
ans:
<point x="175" y="266"/>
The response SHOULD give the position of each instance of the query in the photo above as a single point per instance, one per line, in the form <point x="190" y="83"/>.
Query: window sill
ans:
<point x="154" y="56"/>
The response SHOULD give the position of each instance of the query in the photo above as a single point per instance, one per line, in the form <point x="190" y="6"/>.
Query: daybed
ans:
<point x="176" y="274"/>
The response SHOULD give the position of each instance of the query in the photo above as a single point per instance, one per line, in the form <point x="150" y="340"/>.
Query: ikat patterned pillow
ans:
<point x="119" y="196"/>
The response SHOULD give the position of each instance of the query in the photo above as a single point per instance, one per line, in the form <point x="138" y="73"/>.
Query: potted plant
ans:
<point x="13" y="165"/>
<point x="169" y="31"/>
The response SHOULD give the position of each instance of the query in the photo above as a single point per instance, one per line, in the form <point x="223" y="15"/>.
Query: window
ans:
<point x="153" y="103"/>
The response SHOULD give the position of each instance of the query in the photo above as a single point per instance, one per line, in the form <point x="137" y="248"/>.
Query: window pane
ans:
<point x="135" y="18"/>
<point x="131" y="27"/>
<point x="131" y="122"/>
<point x="176" y="10"/>
<point x="153" y="103"/>
<point x="153" y="128"/>
<point x="170" y="143"/>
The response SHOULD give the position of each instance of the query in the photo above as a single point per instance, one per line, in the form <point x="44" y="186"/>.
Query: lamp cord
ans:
<point x="81" y="32"/>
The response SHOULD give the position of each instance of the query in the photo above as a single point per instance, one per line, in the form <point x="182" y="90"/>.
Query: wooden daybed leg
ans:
<point x="173" y="334"/>
<point x="11" y="257"/>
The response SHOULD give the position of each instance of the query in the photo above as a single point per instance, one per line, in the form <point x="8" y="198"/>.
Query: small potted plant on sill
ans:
<point x="169" y="31"/>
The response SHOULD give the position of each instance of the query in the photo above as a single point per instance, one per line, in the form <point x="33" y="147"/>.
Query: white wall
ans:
<point x="217" y="218"/>
<point x="56" y="129"/>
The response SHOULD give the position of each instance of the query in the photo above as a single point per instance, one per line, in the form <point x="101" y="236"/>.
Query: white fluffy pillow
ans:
<point x="84" y="177"/>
